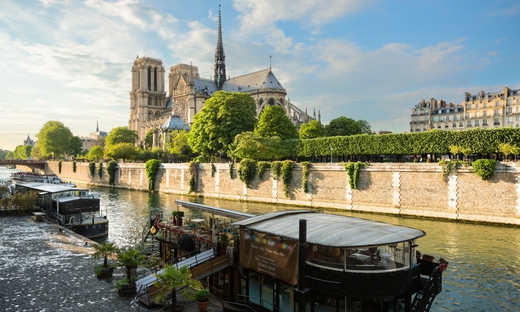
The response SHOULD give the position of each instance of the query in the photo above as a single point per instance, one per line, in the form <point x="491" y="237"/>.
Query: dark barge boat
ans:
<point x="74" y="208"/>
<point x="308" y="261"/>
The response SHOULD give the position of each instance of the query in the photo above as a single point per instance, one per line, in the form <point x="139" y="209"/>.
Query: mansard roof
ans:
<point x="175" y="123"/>
<point x="264" y="79"/>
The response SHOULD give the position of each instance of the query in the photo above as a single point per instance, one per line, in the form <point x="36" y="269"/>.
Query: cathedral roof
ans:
<point x="175" y="123"/>
<point x="264" y="79"/>
<point x="206" y="85"/>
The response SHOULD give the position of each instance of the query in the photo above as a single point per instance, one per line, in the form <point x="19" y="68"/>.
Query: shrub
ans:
<point x="231" y="169"/>
<point x="276" y="166"/>
<point x="112" y="169"/>
<point x="287" y="168"/>
<point x="202" y="295"/>
<point x="261" y="167"/>
<point x="305" y="176"/>
<point x="92" y="168"/>
<point x="353" y="169"/>
<point x="213" y="170"/>
<point x="152" y="167"/>
<point x="74" y="166"/>
<point x="247" y="171"/>
<point x="59" y="166"/>
<point x="484" y="168"/>
<point x="100" y="170"/>
<point x="194" y="170"/>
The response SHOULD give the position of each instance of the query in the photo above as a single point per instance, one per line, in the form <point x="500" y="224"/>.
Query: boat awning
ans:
<point x="214" y="210"/>
<point x="330" y="230"/>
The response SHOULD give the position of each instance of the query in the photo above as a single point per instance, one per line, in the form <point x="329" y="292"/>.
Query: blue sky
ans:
<point x="372" y="59"/>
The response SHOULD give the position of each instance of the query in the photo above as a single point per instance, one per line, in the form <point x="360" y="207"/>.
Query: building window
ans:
<point x="485" y="105"/>
<point x="485" y="113"/>
<point x="497" y="113"/>
<point x="517" y="109"/>
<point x="468" y="106"/>
<point x="484" y="122"/>
<point x="477" y="123"/>
<point x="510" y="119"/>
<point x="454" y="125"/>
<point x="468" y="115"/>
<point x="434" y="118"/>
<point x="517" y="117"/>
<point x="476" y="106"/>
<point x="509" y="110"/>
<point x="469" y="123"/>
<point x="155" y="79"/>
<point x="497" y="103"/>
<point x="461" y="124"/>
<point x="496" y="122"/>
<point x="149" y="78"/>
<point x="476" y="114"/>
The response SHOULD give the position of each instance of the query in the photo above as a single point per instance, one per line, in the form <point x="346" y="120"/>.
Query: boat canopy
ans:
<point x="330" y="230"/>
<point x="49" y="188"/>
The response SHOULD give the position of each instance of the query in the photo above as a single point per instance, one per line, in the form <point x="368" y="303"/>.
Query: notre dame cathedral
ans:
<point x="152" y="108"/>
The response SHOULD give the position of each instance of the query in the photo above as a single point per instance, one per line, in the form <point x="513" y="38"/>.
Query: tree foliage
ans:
<point x="22" y="152"/>
<point x="122" y="151"/>
<point x="342" y="126"/>
<point x="96" y="153"/>
<point x="223" y="116"/>
<point x="76" y="146"/>
<point x="249" y="145"/>
<point x="178" y="145"/>
<point x="274" y="122"/>
<point x="311" y="130"/>
<point x="121" y="135"/>
<point x="54" y="139"/>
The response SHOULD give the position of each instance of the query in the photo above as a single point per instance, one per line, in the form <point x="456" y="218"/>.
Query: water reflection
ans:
<point x="484" y="269"/>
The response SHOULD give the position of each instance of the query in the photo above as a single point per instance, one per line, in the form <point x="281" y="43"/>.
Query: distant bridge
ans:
<point x="33" y="164"/>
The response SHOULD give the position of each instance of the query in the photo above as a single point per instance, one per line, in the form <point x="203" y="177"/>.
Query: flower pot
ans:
<point x="127" y="290"/>
<point x="203" y="306"/>
<point x="105" y="273"/>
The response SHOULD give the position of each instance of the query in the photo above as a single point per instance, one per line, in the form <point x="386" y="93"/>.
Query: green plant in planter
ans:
<point x="104" y="250"/>
<point x="129" y="258"/>
<point x="202" y="295"/>
<point x="171" y="278"/>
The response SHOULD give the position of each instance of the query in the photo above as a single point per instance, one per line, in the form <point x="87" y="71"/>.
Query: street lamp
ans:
<point x="331" y="154"/>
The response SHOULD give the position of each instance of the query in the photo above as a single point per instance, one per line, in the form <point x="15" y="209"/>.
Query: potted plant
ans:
<point x="128" y="258"/>
<point x="169" y="279"/>
<point x="104" y="250"/>
<point x="202" y="296"/>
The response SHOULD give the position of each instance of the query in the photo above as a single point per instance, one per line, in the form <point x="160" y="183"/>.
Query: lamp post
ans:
<point x="331" y="154"/>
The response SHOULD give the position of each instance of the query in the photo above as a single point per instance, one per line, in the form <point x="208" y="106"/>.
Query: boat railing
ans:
<point x="423" y="299"/>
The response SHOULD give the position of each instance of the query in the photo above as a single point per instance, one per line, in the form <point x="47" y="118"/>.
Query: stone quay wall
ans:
<point x="413" y="189"/>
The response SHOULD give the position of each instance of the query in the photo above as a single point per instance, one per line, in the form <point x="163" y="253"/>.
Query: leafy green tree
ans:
<point x="311" y="130"/>
<point x="121" y="151"/>
<point x="22" y="152"/>
<point x="96" y="153"/>
<point x="178" y="145"/>
<point x="2" y="154"/>
<point x="274" y="122"/>
<point x="148" y="141"/>
<point x="54" y="139"/>
<point x="342" y="126"/>
<point x="224" y="115"/>
<point x="249" y="145"/>
<point x="35" y="152"/>
<point x="9" y="155"/>
<point x="507" y="149"/>
<point x="76" y="146"/>
<point x="121" y="135"/>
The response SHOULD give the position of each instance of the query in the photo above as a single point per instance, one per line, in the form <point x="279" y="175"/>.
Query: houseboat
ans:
<point x="303" y="260"/>
<point x="74" y="208"/>
<point x="23" y="176"/>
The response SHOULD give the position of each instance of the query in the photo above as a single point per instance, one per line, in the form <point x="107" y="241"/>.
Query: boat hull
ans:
<point x="97" y="230"/>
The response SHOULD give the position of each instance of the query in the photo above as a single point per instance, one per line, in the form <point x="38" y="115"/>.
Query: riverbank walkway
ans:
<point x="47" y="268"/>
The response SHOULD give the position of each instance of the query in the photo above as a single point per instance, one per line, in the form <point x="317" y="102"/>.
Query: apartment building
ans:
<point x="482" y="110"/>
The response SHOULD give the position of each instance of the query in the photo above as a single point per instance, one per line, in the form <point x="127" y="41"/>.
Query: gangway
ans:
<point x="201" y="266"/>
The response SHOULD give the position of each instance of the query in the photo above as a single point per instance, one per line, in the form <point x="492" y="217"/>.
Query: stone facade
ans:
<point x="482" y="110"/>
<point x="400" y="189"/>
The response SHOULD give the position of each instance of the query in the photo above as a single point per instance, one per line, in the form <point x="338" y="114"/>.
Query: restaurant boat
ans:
<point x="37" y="178"/>
<point x="304" y="261"/>
<point x="74" y="208"/>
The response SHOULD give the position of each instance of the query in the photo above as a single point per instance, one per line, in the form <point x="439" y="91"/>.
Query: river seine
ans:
<point x="484" y="260"/>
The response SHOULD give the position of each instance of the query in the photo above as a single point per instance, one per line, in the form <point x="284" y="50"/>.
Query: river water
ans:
<point x="484" y="260"/>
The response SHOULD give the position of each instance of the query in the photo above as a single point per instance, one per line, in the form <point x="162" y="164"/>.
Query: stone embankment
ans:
<point x="414" y="189"/>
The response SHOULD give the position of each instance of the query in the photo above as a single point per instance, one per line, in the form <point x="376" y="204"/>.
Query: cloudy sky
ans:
<point x="71" y="61"/>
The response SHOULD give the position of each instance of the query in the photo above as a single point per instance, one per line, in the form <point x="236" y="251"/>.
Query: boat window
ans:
<point x="379" y="258"/>
<point x="325" y="256"/>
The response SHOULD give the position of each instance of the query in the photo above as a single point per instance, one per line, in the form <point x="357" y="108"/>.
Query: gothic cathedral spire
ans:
<point x="220" y="57"/>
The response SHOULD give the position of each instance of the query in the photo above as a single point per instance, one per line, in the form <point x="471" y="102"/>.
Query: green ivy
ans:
<point x="100" y="170"/>
<point x="247" y="171"/>
<point x="305" y="176"/>
<point x="287" y="169"/>
<point x="92" y="168"/>
<point x="276" y="168"/>
<point x="213" y="170"/>
<point x="484" y="168"/>
<point x="231" y="169"/>
<point x="74" y="166"/>
<point x="112" y="169"/>
<point x="59" y="166"/>
<point x="450" y="166"/>
<point x="194" y="170"/>
<point x="152" y="167"/>
<point x="353" y="169"/>
<point x="262" y="166"/>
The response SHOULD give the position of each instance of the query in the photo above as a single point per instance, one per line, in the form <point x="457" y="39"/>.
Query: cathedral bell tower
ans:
<point x="220" y="57"/>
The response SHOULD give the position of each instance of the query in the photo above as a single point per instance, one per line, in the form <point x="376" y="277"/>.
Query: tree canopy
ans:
<point x="54" y="139"/>
<point x="223" y="116"/>
<point x="311" y="130"/>
<point x="121" y="151"/>
<point x="178" y="145"/>
<point x="274" y="122"/>
<point x="347" y="126"/>
<point x="121" y="135"/>
<point x="249" y="145"/>
<point x="96" y="153"/>
<point x="22" y="152"/>
<point x="76" y="146"/>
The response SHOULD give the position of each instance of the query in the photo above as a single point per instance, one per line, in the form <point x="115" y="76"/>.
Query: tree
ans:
<point x="169" y="280"/>
<point x="342" y="126"/>
<point x="96" y="153"/>
<point x="311" y="130"/>
<point x="22" y="152"/>
<point x="249" y="145"/>
<point x="148" y="141"/>
<point x="507" y="149"/>
<point x="178" y="145"/>
<point x="121" y="151"/>
<point x="121" y="135"/>
<point x="54" y="139"/>
<point x="224" y="115"/>
<point x="274" y="122"/>
<point x="76" y="146"/>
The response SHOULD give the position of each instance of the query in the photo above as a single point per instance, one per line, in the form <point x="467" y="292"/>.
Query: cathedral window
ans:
<point x="149" y="78"/>
<point x="271" y="101"/>
<point x="155" y="79"/>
